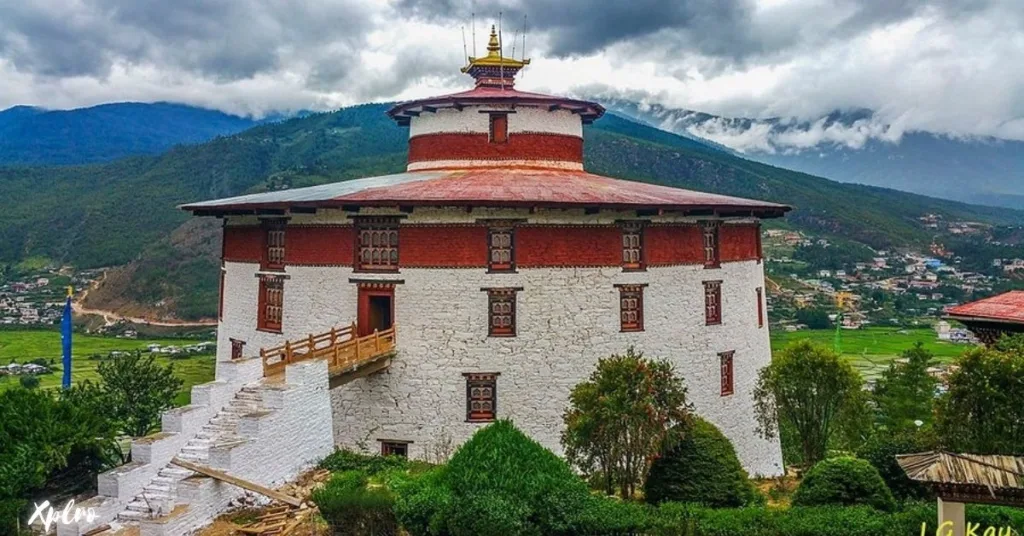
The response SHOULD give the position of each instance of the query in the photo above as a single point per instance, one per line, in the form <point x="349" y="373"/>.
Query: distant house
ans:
<point x="993" y="317"/>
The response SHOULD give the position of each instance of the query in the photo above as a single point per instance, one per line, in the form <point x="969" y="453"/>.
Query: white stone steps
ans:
<point x="140" y="506"/>
<point x="132" y="515"/>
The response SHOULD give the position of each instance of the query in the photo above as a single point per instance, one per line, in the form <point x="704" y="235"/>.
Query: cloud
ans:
<point x="946" y="66"/>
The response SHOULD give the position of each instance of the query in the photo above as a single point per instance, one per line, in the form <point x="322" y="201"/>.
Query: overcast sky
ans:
<point x="948" y="66"/>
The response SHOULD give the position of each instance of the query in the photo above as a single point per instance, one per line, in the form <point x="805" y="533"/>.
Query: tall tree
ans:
<point x="905" y="393"/>
<point x="809" y="389"/>
<point x="136" y="390"/>
<point x="619" y="420"/>
<point x="983" y="410"/>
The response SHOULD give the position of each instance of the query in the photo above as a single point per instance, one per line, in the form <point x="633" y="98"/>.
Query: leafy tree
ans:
<point x="701" y="468"/>
<point x="905" y="393"/>
<point x="814" y="318"/>
<point x="881" y="450"/>
<point x="29" y="381"/>
<point x="135" y="390"/>
<point x="843" y="481"/>
<point x="983" y="410"/>
<point x="622" y="417"/>
<point x="809" y="388"/>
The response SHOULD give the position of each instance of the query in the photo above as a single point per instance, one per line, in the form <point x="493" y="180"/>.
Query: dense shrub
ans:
<point x="352" y="509"/>
<point x="843" y="482"/>
<point x="346" y="460"/>
<point x="29" y="381"/>
<point x="702" y="468"/>
<point x="880" y="451"/>
<point x="498" y="482"/>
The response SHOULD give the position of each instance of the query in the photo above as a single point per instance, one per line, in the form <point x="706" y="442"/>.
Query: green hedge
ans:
<point x="844" y="481"/>
<point x="346" y="460"/>
<point x="881" y="450"/>
<point x="351" y="509"/>
<point x="702" y="468"/>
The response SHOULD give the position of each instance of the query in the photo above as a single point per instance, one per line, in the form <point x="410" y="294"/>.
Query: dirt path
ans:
<point x="112" y="317"/>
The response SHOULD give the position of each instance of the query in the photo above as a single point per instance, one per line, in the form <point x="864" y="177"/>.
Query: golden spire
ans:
<point x="494" y="46"/>
<point x="494" y="57"/>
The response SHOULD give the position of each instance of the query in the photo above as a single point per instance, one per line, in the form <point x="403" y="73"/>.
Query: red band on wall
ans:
<point x="477" y="146"/>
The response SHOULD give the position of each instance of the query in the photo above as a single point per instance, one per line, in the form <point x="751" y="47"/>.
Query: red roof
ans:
<point x="497" y="187"/>
<point x="1008" y="307"/>
<point x="589" y="111"/>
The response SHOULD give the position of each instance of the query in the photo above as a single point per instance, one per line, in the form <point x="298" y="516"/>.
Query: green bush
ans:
<point x="844" y="481"/>
<point x="29" y="381"/>
<point x="499" y="480"/>
<point x="880" y="451"/>
<point x="346" y="460"/>
<point x="702" y="468"/>
<point x="352" y="509"/>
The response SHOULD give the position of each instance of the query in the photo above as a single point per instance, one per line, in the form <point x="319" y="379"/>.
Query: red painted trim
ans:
<point x="363" y="306"/>
<point x="738" y="242"/>
<point x="478" y="146"/>
<point x="243" y="243"/>
<point x="423" y="246"/>
<point x="554" y="246"/>
<point x="320" y="245"/>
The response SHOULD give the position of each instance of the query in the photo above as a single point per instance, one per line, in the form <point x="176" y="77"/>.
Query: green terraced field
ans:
<point x="871" y="349"/>
<point x="22" y="346"/>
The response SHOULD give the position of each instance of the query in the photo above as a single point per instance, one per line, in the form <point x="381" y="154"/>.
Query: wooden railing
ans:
<point x="340" y="347"/>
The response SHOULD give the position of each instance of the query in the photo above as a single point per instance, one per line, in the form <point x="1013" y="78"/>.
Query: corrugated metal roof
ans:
<point x="1008" y="307"/>
<point x="495" y="187"/>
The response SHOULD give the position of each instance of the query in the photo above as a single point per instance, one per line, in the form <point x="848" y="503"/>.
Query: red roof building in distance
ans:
<point x="485" y="282"/>
<point x="991" y="318"/>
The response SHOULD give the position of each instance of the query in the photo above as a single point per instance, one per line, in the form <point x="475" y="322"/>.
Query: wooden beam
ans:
<point x="244" y="484"/>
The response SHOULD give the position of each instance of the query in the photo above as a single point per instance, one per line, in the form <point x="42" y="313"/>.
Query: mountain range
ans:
<point x="123" y="212"/>
<point x="856" y="146"/>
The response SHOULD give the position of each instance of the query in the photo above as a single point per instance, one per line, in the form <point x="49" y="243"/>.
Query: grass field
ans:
<point x="22" y="346"/>
<point x="871" y="349"/>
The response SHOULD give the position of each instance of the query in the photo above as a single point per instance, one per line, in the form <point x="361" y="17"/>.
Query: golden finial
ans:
<point x="494" y="46"/>
<point x="494" y="58"/>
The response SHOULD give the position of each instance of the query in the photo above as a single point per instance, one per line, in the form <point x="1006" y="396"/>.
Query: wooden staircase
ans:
<point x="347" y="355"/>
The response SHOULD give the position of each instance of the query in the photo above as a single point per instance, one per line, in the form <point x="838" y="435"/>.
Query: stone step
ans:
<point x="255" y="395"/>
<point x="139" y="506"/>
<point x="166" y="480"/>
<point x="158" y="487"/>
<point x="155" y="495"/>
<point x="175" y="472"/>
<point x="224" y="420"/>
<point x="132" y="515"/>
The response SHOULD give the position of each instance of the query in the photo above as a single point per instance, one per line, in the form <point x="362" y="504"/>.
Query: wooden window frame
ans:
<point x="633" y="248"/>
<point x="390" y="447"/>
<point x="481" y="380"/>
<point x="495" y="121"/>
<point x="712" y="303"/>
<point x="237" y="349"/>
<point x="266" y="321"/>
<point x="496" y="296"/>
<point x="627" y="293"/>
<point x="274" y="241"/>
<point x="711" y="242"/>
<point x="493" y="266"/>
<point x="760" y="307"/>
<point x="728" y="372"/>
<point x="383" y="227"/>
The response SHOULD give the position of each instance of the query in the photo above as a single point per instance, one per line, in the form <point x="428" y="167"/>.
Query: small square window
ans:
<point x="631" y="307"/>
<point x="725" y="360"/>
<point x="499" y="128"/>
<point x="377" y="246"/>
<point x="237" y="347"/>
<point x="394" y="448"/>
<point x="481" y="396"/>
<point x="501" y="312"/>
<point x="501" y="249"/>
<point x="712" y="258"/>
<point x="632" y="246"/>
<point x="712" y="302"/>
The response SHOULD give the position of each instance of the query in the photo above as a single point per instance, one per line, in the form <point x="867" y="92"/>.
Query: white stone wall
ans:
<point x="471" y="120"/>
<point x="567" y="318"/>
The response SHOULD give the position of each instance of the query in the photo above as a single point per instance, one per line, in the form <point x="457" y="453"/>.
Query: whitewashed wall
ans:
<point x="567" y="318"/>
<point x="471" y="120"/>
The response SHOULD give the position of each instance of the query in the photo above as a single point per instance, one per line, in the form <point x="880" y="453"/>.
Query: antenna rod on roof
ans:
<point x="464" y="51"/>
<point x="474" y="30"/>
<point x="524" y="44"/>
<point x="501" y="53"/>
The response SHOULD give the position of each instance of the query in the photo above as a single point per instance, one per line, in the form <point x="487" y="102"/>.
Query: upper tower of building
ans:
<point x="493" y="124"/>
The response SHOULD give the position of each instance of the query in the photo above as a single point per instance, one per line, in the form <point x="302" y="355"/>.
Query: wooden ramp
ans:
<point x="348" y="356"/>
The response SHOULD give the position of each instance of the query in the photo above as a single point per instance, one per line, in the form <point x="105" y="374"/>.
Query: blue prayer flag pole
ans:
<point x="65" y="337"/>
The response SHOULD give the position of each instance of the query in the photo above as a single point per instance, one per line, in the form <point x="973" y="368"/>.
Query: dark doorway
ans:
<point x="376" y="309"/>
<point x="380" y="313"/>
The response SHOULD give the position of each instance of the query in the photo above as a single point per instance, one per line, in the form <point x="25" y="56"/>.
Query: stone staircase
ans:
<point x="159" y="497"/>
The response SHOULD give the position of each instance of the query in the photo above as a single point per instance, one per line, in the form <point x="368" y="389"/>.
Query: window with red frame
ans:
<point x="501" y="312"/>
<point x="481" y="396"/>
<point x="237" y="347"/>
<point x="394" y="448"/>
<point x="631" y="307"/>
<point x="632" y="246"/>
<point x="274" y="255"/>
<point x="725" y="359"/>
<point x="271" y="303"/>
<point x="378" y="244"/>
<point x="760" y="307"/>
<point x="712" y="258"/>
<point x="501" y="249"/>
<point x="712" y="302"/>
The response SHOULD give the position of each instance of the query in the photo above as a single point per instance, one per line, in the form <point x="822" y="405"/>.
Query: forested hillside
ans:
<point x="109" y="214"/>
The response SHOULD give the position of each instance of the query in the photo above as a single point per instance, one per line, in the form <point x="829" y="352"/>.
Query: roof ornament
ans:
<point x="494" y="70"/>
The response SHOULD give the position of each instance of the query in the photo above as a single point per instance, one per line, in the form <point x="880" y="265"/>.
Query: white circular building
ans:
<point x="487" y="280"/>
